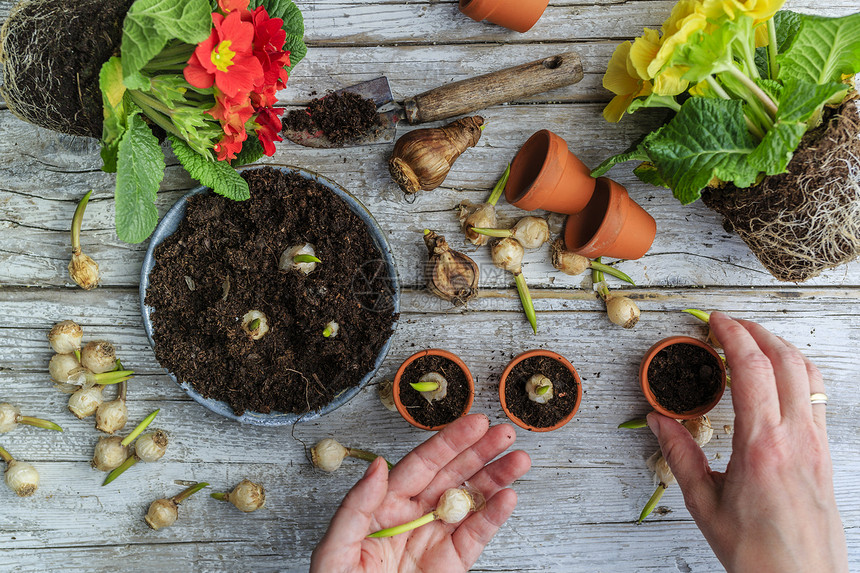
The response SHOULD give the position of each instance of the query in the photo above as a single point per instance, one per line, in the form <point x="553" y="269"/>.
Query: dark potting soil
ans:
<point x="683" y="377"/>
<point x="67" y="43"/>
<point x="223" y="262"/>
<point x="442" y="411"/>
<point x="342" y="117"/>
<point x="564" y="388"/>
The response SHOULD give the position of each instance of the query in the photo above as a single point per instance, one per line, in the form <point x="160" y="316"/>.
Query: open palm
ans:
<point x="458" y="453"/>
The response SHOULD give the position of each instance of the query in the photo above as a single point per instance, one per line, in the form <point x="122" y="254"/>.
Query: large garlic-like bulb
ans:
<point x="111" y="416"/>
<point x="62" y="367"/>
<point x="109" y="453"/>
<point x="482" y="215"/>
<point x="450" y="274"/>
<point x="439" y="392"/>
<point x="508" y="255"/>
<point x="65" y="337"/>
<point x="85" y="402"/>
<point x="539" y="388"/>
<point x="22" y="478"/>
<point x="98" y="356"/>
<point x="150" y="447"/>
<point x="161" y="513"/>
<point x="247" y="496"/>
<point x="454" y="505"/>
<point x="422" y="158"/>
<point x="255" y="324"/>
<point x="9" y="416"/>
<point x="288" y="262"/>
<point x="328" y="454"/>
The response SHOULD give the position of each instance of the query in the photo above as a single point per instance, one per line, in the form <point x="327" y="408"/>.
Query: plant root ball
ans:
<point x="806" y="221"/>
<point x="51" y="53"/>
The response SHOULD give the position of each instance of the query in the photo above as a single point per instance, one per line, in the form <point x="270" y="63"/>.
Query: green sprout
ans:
<point x="526" y="300"/>
<point x="500" y="187"/>
<point x="306" y="259"/>
<point x="425" y="386"/>
<point x="634" y="424"/>
<point x="652" y="503"/>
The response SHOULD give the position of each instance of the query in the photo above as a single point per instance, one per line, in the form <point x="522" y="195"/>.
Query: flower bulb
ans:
<point x="65" y="337"/>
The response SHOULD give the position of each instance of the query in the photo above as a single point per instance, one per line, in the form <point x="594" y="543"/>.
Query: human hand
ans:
<point x="774" y="508"/>
<point x="458" y="453"/>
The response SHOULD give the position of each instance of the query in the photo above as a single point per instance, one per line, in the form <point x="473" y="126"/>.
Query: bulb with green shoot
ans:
<point x="620" y="309"/>
<point x="82" y="268"/>
<point x="482" y="215"/>
<point x="112" y="451"/>
<point x="508" y="255"/>
<point x="531" y="232"/>
<point x="702" y="431"/>
<point x="539" y="389"/>
<point x="572" y="264"/>
<point x="301" y="258"/>
<point x="21" y="477"/>
<point x="432" y="386"/>
<point x="10" y="417"/>
<point x="62" y="367"/>
<point x="247" y="496"/>
<point x="331" y="329"/>
<point x="112" y="416"/>
<point x="255" y="324"/>
<point x="165" y="512"/>
<point x="453" y="507"/>
<point x="98" y="356"/>
<point x="706" y="318"/>
<point x="328" y="454"/>
<point x="65" y="337"/>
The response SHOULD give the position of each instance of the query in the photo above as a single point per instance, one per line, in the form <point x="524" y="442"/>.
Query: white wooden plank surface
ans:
<point x="73" y="524"/>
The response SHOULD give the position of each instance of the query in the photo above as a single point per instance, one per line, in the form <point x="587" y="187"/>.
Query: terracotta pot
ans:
<point x="431" y="352"/>
<point x="517" y="15"/>
<point x="546" y="175"/>
<point x="646" y="388"/>
<point x="529" y="354"/>
<point x="612" y="225"/>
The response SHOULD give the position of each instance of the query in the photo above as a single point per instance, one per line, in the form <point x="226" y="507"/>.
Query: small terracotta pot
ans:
<point x="546" y="175"/>
<point x="517" y="15"/>
<point x="646" y="388"/>
<point x="530" y="354"/>
<point x="612" y="225"/>
<point x="431" y="352"/>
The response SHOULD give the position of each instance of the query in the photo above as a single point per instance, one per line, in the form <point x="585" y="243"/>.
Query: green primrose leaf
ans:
<point x="777" y="148"/>
<point x="150" y="24"/>
<point x="115" y="111"/>
<point x="140" y="169"/>
<point x="252" y="151"/>
<point x="217" y="175"/>
<point x="647" y="173"/>
<point x="709" y="54"/>
<point x="802" y="99"/>
<point x="634" y="153"/>
<point x="823" y="50"/>
<point x="787" y="24"/>
<point x="707" y="139"/>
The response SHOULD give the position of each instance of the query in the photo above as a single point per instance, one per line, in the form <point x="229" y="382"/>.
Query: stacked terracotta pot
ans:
<point x="602" y="218"/>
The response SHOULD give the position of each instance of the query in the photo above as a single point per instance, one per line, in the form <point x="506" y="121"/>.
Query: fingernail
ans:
<point x="653" y="424"/>
<point x="374" y="465"/>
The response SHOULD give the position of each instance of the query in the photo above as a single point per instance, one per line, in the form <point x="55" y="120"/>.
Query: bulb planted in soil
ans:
<point x="165" y="512"/>
<point x="10" y="417"/>
<point x="21" y="477"/>
<point x="453" y="507"/>
<point x="331" y="329"/>
<point x="328" y="454"/>
<point x="451" y="275"/>
<point x="539" y="388"/>
<point x="247" y="496"/>
<point x="255" y="324"/>
<point x="301" y="258"/>
<point x="432" y="386"/>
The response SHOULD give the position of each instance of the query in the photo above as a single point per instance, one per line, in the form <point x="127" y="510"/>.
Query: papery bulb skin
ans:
<point x="328" y="454"/>
<point x="566" y="261"/>
<point x="150" y="447"/>
<point x="441" y="390"/>
<point x="480" y="216"/>
<point x="161" y="513"/>
<point x="9" y="416"/>
<point x="451" y="275"/>
<point x="84" y="402"/>
<point x="533" y="385"/>
<point x="111" y="416"/>
<point x="84" y="270"/>
<point x="622" y="311"/>
<point x="531" y="232"/>
<point x="62" y="366"/>
<point x="454" y="505"/>
<point x="700" y="428"/>
<point x="386" y="394"/>
<point x="662" y="472"/>
<point x="65" y="337"/>
<point x="247" y="496"/>
<point x="508" y="255"/>
<point x="99" y="356"/>
<point x="22" y="478"/>
<point x="109" y="453"/>
<point x="423" y="157"/>
<point x="287" y="263"/>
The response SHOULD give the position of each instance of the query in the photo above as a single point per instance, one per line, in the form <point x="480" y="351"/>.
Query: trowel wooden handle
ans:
<point x="492" y="89"/>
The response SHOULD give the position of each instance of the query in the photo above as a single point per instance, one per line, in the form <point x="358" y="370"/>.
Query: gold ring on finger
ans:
<point x="818" y="398"/>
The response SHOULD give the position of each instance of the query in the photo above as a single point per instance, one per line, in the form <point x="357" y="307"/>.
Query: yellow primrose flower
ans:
<point x="644" y="51"/>
<point x="670" y="81"/>
<point x="701" y="89"/>
<point x="687" y="18"/>
<point x="758" y="10"/>
<point x="622" y="79"/>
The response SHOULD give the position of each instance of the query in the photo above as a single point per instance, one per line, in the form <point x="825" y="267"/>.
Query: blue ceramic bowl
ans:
<point x="170" y="222"/>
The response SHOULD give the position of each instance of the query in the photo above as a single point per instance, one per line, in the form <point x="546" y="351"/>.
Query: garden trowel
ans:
<point x="453" y="99"/>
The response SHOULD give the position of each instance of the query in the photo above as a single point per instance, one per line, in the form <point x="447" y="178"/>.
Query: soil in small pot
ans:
<point x="438" y="412"/>
<point x="684" y="376"/>
<point x="805" y="221"/>
<point x="342" y="117"/>
<point x="223" y="262"/>
<point x="564" y="390"/>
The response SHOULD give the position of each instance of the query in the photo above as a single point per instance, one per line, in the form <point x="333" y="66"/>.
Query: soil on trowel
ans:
<point x="684" y="377"/>
<point x="341" y="117"/>
<point x="223" y="261"/>
<point x="564" y="389"/>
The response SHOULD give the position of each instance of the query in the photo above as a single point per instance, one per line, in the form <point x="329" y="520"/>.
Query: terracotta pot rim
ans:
<point x="395" y="388"/>
<point x="478" y="10"/>
<point x="612" y="220"/>
<point x="549" y="174"/>
<point x="649" y="395"/>
<point x="530" y="354"/>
